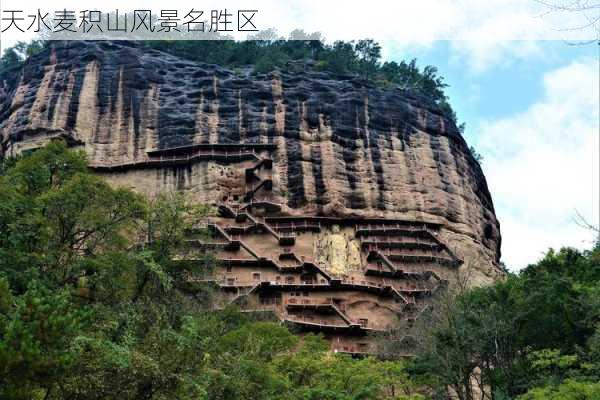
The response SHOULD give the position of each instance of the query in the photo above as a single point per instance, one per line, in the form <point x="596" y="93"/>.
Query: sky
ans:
<point x="531" y="110"/>
<point x="528" y="96"/>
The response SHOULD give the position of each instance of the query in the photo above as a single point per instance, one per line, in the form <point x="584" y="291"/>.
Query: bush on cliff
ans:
<point x="360" y="58"/>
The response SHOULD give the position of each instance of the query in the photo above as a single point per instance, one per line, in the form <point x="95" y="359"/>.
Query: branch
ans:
<point x="582" y="222"/>
<point x="574" y="6"/>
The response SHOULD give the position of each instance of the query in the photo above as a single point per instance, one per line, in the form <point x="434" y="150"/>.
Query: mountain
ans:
<point x="342" y="206"/>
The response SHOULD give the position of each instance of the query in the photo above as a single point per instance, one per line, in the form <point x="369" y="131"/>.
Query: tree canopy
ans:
<point x="533" y="336"/>
<point x="270" y="53"/>
<point x="360" y="58"/>
<point x="95" y="305"/>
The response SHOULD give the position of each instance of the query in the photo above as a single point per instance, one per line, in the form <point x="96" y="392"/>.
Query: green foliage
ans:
<point x="368" y="53"/>
<point x="270" y="53"/>
<point x="536" y="329"/>
<point x="91" y="305"/>
<point x="36" y="335"/>
<point x="478" y="157"/>
<point x="14" y="56"/>
<point x="10" y="59"/>
<point x="569" y="390"/>
<point x="312" y="373"/>
<point x="55" y="217"/>
<point x="86" y="311"/>
<point x="551" y="364"/>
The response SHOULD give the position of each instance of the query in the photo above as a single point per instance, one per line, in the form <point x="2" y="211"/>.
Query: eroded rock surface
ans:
<point x="343" y="147"/>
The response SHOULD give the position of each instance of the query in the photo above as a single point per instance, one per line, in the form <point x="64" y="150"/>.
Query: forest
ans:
<point x="94" y="305"/>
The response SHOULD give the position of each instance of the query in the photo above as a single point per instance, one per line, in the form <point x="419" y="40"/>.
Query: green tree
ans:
<point x="94" y="303"/>
<point x="478" y="157"/>
<point x="14" y="56"/>
<point x="369" y="53"/>
<point x="569" y="390"/>
<point x="536" y="329"/>
<point x="86" y="311"/>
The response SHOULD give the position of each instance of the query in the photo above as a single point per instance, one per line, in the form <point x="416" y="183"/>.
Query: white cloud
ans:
<point x="482" y="55"/>
<point x="491" y="23"/>
<point x="542" y="166"/>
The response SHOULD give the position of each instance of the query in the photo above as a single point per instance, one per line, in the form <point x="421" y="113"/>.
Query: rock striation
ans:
<point x="268" y="150"/>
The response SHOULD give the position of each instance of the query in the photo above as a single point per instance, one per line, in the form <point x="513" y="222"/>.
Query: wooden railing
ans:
<point x="400" y="240"/>
<point x="309" y="320"/>
<point x="293" y="226"/>
<point x="408" y="226"/>
<point x="309" y="302"/>
<point x="176" y="158"/>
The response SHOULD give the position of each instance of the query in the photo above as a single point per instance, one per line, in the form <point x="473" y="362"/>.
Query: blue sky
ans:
<point x="499" y="89"/>
<point x="531" y="110"/>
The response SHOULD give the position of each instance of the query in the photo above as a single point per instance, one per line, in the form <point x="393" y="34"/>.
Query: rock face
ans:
<point x="338" y="149"/>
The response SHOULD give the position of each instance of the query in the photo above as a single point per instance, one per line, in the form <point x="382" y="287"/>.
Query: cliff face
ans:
<point x="343" y="148"/>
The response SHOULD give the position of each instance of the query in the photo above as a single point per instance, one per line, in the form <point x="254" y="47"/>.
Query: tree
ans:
<point x="569" y="390"/>
<point x="14" y="56"/>
<point x="86" y="311"/>
<point x="95" y="303"/>
<point x="339" y="58"/>
<point x="369" y="54"/>
<point x="536" y="329"/>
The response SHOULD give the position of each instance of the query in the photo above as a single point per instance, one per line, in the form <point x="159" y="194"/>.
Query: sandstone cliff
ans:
<point x="344" y="147"/>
